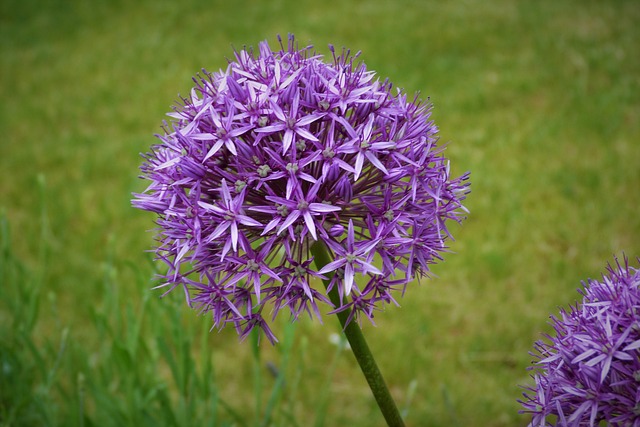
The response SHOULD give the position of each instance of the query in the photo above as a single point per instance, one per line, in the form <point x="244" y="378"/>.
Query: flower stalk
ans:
<point x="360" y="348"/>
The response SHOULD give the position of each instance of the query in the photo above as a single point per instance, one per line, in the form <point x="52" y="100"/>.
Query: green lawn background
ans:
<point x="540" y="100"/>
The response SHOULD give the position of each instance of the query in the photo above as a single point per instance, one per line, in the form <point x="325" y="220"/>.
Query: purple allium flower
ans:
<point x="280" y="151"/>
<point x="589" y="372"/>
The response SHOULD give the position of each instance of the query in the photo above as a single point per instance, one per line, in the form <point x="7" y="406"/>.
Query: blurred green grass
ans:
<point x="539" y="100"/>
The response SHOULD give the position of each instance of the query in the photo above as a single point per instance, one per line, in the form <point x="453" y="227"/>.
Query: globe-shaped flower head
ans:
<point x="589" y="372"/>
<point x="283" y="151"/>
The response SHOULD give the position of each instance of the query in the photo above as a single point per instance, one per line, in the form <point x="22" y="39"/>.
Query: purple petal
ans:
<point x="310" y="118"/>
<point x="213" y="150"/>
<point x="333" y="265"/>
<point x="373" y="159"/>
<point x="167" y="164"/>
<point x="245" y="220"/>
<point x="350" y="233"/>
<point x="293" y="216"/>
<point x="230" y="146"/>
<point x="358" y="166"/>
<point x="271" y="128"/>
<point x="633" y="346"/>
<point x="369" y="268"/>
<point x="348" y="278"/>
<point x="271" y="225"/>
<point x="323" y="208"/>
<point x="287" y="139"/>
<point x="224" y="190"/>
<point x="234" y="236"/>
<point x="306" y="134"/>
<point x="311" y="226"/>
<point x="221" y="228"/>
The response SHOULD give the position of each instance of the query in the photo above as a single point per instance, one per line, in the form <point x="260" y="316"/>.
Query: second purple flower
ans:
<point x="282" y="150"/>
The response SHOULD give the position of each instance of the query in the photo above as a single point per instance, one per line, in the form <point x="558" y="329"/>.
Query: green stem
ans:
<point x="360" y="349"/>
